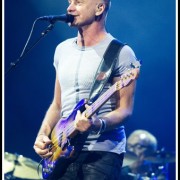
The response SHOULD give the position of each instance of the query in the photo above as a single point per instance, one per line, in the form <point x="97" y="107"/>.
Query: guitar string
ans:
<point x="56" y="141"/>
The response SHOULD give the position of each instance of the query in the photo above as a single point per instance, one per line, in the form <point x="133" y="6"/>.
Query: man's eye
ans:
<point x="79" y="2"/>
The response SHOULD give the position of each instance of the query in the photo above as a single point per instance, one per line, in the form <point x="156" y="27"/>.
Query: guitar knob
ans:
<point x="45" y="170"/>
<point x="50" y="165"/>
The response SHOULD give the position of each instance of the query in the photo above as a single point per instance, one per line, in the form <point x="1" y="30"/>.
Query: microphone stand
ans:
<point x="43" y="34"/>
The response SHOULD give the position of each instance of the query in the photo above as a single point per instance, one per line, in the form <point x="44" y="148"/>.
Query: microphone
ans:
<point x="67" y="18"/>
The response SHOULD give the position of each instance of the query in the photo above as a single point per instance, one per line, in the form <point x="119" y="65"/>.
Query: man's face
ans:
<point x="84" y="11"/>
<point x="136" y="146"/>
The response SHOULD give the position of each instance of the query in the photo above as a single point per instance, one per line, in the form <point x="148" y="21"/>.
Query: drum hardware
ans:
<point x="18" y="166"/>
<point x="161" y="160"/>
<point x="158" y="164"/>
<point x="161" y="157"/>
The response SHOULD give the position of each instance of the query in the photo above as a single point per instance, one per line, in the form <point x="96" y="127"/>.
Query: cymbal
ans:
<point x="129" y="158"/>
<point x="21" y="167"/>
<point x="160" y="157"/>
<point x="9" y="156"/>
<point x="8" y="162"/>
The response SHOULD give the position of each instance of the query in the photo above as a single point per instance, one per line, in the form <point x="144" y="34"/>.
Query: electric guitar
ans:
<point x="65" y="129"/>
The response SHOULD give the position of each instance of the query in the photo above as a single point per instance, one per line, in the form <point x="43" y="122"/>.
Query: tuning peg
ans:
<point x="136" y="64"/>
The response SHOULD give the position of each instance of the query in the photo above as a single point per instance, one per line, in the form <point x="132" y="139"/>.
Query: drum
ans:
<point x="18" y="166"/>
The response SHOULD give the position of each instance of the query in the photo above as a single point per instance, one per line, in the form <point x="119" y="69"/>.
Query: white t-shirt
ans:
<point x="76" y="68"/>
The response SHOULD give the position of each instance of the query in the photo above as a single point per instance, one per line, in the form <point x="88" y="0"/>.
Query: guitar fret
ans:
<point x="99" y="102"/>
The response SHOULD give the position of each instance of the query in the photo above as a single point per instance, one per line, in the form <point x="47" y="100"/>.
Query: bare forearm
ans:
<point x="124" y="107"/>
<point x="51" y="118"/>
<point x="116" y="118"/>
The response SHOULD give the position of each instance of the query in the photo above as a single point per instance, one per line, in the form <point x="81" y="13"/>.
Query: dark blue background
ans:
<point x="147" y="26"/>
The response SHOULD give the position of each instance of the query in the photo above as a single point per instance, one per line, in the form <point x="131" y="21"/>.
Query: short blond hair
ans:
<point x="144" y="137"/>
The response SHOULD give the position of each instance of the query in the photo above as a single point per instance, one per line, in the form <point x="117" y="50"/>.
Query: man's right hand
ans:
<point x="41" y="146"/>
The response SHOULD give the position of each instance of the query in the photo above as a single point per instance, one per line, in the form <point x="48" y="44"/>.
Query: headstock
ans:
<point x="129" y="75"/>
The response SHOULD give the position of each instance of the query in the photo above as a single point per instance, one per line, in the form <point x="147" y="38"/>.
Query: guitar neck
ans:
<point x="100" y="101"/>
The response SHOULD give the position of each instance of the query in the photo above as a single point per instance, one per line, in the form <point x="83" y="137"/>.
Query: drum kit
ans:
<point x="157" y="165"/>
<point x="19" y="167"/>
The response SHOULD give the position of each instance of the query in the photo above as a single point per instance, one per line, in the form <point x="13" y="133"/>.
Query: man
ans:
<point x="142" y="144"/>
<point x="76" y="60"/>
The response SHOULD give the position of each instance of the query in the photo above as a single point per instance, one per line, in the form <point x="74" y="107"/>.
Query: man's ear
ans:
<point x="100" y="9"/>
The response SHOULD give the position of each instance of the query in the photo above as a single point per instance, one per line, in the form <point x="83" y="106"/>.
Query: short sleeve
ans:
<point x="57" y="56"/>
<point x="126" y="58"/>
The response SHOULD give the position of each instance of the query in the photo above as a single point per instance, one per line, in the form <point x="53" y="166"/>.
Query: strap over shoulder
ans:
<point x="105" y="68"/>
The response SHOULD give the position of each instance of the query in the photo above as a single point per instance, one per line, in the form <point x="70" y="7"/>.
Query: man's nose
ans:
<point x="71" y="7"/>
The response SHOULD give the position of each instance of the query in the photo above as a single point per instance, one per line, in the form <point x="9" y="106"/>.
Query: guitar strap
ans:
<point x="105" y="68"/>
